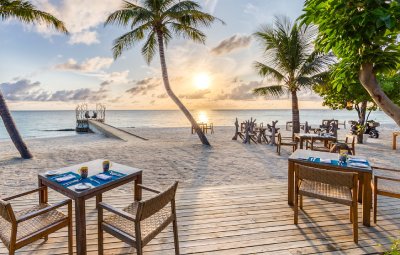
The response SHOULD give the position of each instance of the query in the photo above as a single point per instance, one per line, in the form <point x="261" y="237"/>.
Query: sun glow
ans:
<point x="202" y="81"/>
<point x="202" y="117"/>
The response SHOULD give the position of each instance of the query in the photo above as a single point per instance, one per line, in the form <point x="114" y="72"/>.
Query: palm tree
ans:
<point x="158" y="21"/>
<point x="291" y="62"/>
<point x="25" y="12"/>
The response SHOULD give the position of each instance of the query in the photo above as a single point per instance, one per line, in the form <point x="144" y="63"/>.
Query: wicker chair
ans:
<point x="386" y="186"/>
<point x="350" y="141"/>
<point x="332" y="186"/>
<point x="311" y="145"/>
<point x="18" y="229"/>
<point x="284" y="141"/>
<point x="141" y="221"/>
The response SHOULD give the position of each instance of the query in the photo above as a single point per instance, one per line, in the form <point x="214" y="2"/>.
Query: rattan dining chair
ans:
<point x="18" y="229"/>
<point x="333" y="186"/>
<point x="285" y="141"/>
<point x="314" y="145"/>
<point x="141" y="221"/>
<point x="350" y="141"/>
<point x="385" y="184"/>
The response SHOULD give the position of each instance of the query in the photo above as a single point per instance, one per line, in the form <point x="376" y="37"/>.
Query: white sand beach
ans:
<point x="170" y="154"/>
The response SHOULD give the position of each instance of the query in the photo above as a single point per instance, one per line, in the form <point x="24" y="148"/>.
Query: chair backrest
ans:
<point x="325" y="176"/>
<point x="155" y="204"/>
<point x="350" y="139"/>
<point x="279" y="138"/>
<point x="4" y="212"/>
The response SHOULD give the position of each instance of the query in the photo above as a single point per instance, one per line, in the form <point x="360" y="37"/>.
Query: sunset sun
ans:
<point x="202" y="81"/>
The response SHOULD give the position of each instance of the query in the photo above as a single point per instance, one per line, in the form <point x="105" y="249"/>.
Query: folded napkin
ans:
<point x="104" y="177"/>
<point x="359" y="165"/>
<point x="66" y="178"/>
<point x="358" y="160"/>
<point x="302" y="157"/>
<point x="323" y="160"/>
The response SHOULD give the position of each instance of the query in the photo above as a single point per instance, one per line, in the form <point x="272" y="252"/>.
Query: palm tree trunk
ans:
<point x="295" y="113"/>
<point x="174" y="98"/>
<point x="368" y="79"/>
<point x="13" y="130"/>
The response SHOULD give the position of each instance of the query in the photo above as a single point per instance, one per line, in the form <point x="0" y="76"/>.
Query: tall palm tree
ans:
<point x="291" y="62"/>
<point x="25" y="12"/>
<point x="158" y="21"/>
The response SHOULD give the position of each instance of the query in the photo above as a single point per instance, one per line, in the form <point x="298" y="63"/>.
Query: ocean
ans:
<point x="40" y="124"/>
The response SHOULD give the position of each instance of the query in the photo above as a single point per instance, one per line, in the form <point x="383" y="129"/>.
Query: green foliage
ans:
<point x="158" y="19"/>
<point x="358" y="32"/>
<point x="394" y="248"/>
<point x="26" y="12"/>
<point x="290" y="58"/>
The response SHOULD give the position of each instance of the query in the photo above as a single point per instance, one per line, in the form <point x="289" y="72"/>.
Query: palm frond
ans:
<point x="271" y="91"/>
<point x="193" y="18"/>
<point x="188" y="32"/>
<point x="317" y="62"/>
<point x="26" y="12"/>
<point x="130" y="13"/>
<point x="150" y="47"/>
<point x="268" y="72"/>
<point x="128" y="40"/>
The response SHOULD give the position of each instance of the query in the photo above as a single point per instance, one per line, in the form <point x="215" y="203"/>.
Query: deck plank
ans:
<point x="247" y="219"/>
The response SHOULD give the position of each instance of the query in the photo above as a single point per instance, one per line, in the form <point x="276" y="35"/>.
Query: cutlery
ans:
<point x="69" y="183"/>
<point x="94" y="180"/>
<point x="112" y="173"/>
<point x="57" y="176"/>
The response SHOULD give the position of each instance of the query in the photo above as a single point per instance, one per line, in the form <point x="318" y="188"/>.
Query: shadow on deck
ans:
<point x="252" y="219"/>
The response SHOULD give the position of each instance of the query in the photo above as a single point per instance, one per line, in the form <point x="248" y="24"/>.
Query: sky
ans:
<point x="42" y="69"/>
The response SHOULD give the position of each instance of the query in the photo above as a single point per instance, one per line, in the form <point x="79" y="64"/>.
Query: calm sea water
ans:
<point x="33" y="124"/>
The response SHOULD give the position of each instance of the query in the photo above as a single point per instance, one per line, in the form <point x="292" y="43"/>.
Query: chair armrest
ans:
<point x="25" y="193"/>
<point x="117" y="212"/>
<point x="148" y="189"/>
<point x="386" y="169"/>
<point x="386" y="178"/>
<point x="45" y="210"/>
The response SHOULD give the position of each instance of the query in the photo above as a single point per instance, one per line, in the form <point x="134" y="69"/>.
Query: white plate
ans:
<point x="82" y="186"/>
<point x="51" y="173"/>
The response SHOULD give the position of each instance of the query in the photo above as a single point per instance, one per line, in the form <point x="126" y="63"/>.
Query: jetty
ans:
<point x="95" y="123"/>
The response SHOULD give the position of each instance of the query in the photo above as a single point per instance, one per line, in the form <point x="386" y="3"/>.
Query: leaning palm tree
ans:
<point x="25" y="12"/>
<point x="291" y="62"/>
<point x="158" y="21"/>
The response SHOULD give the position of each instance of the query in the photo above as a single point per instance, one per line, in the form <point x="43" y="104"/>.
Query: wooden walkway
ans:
<point x="251" y="219"/>
<point x="112" y="132"/>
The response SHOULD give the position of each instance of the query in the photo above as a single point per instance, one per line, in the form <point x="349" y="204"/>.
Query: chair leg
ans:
<point x="11" y="251"/>
<point x="375" y="205"/>
<point x="100" y="241"/>
<point x="176" y="239"/>
<point x="296" y="207"/>
<point x="301" y="202"/>
<point x="360" y="191"/>
<point x="355" y="223"/>
<point x="351" y="214"/>
<point x="70" y="231"/>
<point x="46" y="238"/>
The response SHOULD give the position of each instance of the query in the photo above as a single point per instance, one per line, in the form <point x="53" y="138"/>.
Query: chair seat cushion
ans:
<point x="331" y="193"/>
<point x="150" y="227"/>
<point x="30" y="226"/>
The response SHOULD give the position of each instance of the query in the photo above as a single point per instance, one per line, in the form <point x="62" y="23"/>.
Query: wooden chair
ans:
<point x="386" y="186"/>
<point x="18" y="229"/>
<point x="311" y="145"/>
<point x="209" y="127"/>
<point x="350" y="141"/>
<point x="333" y="186"/>
<point x="141" y="221"/>
<point x="342" y="124"/>
<point x="284" y="141"/>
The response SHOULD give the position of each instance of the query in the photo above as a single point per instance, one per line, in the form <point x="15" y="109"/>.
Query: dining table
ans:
<point x="311" y="159"/>
<point x="120" y="175"/>
<point x="303" y="137"/>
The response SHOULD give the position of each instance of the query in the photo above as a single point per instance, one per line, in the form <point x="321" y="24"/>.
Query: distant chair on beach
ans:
<point x="285" y="141"/>
<point x="94" y="115"/>
<point x="87" y="116"/>
<point x="342" y="124"/>
<point x="209" y="127"/>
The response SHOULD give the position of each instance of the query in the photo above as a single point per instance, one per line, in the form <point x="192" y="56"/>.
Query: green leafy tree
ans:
<point x="157" y="21"/>
<point x="290" y="61"/>
<point x="363" y="34"/>
<point x="25" y="12"/>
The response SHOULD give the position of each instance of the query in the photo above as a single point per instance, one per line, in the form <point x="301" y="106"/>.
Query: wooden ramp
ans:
<point x="250" y="219"/>
<point x="112" y="132"/>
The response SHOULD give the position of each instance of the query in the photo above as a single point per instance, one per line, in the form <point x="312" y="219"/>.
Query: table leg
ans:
<point x="80" y="222"/>
<point x="42" y="193"/>
<point x="367" y="200"/>
<point x="99" y="199"/>
<point x="301" y="143"/>
<point x="290" y="183"/>
<point x="138" y="191"/>
<point x="394" y="136"/>
<point x="360" y="191"/>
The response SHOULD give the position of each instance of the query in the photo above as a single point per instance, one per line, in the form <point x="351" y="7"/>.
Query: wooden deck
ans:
<point x="251" y="219"/>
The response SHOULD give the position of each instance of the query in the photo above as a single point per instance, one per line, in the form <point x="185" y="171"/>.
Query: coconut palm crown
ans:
<point x="157" y="22"/>
<point x="290" y="61"/>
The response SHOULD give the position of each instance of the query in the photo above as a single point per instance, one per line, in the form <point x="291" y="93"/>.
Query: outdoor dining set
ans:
<point x="137" y="224"/>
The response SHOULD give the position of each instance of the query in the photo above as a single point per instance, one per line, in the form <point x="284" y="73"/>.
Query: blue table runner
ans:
<point x="86" y="180"/>
<point x="336" y="162"/>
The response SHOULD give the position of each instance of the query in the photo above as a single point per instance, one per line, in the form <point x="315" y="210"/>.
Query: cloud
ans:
<point x="144" y="86"/>
<point x="162" y="96"/>
<point x="196" y="95"/>
<point x="81" y="17"/>
<point x="241" y="92"/>
<point x="106" y="83"/>
<point x="25" y="90"/>
<point x="233" y="43"/>
<point x="59" y="56"/>
<point x="117" y="74"/>
<point x="90" y="65"/>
